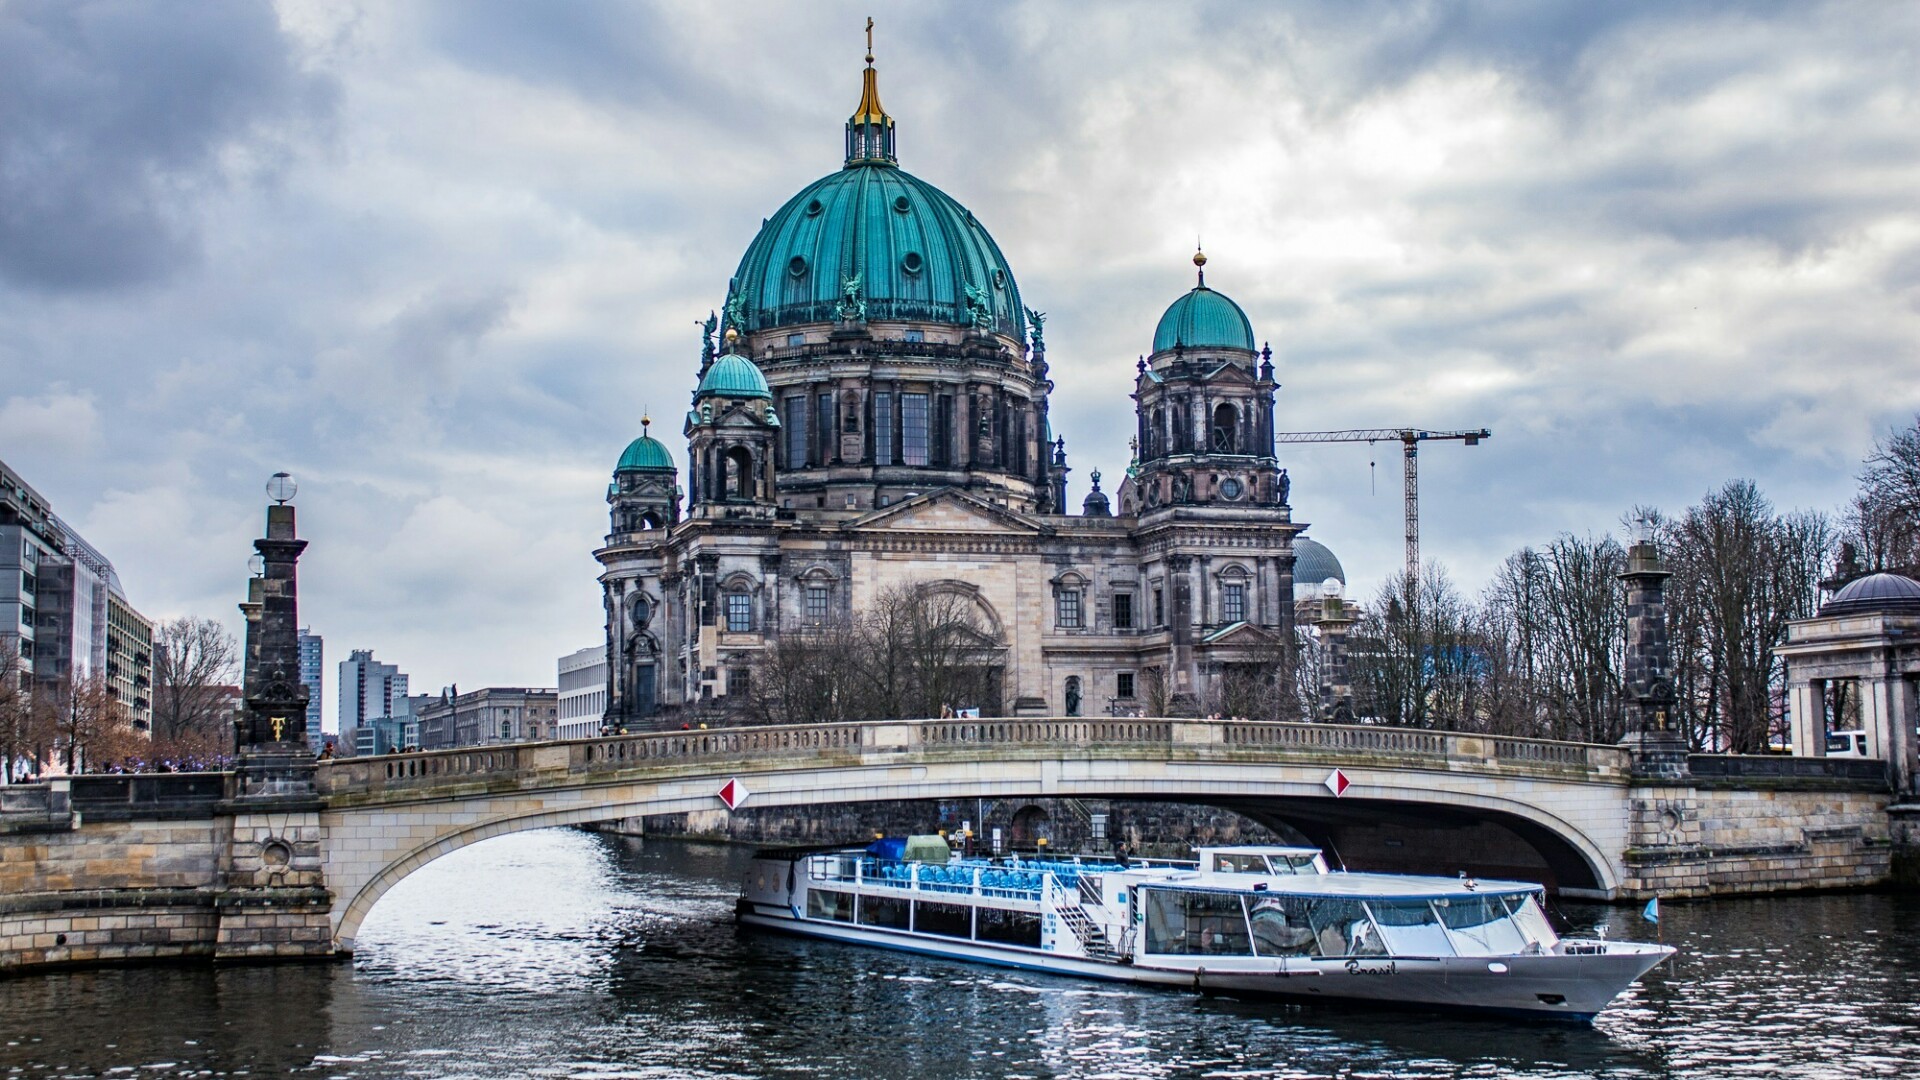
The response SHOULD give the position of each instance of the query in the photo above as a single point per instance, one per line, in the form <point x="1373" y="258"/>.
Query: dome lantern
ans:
<point x="870" y="129"/>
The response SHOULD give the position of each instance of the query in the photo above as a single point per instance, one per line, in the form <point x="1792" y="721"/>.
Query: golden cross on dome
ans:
<point x="869" y="39"/>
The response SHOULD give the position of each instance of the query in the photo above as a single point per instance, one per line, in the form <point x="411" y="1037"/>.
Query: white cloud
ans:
<point x="440" y="271"/>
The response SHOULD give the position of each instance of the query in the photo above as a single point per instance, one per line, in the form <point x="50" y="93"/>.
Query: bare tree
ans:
<point x="928" y="650"/>
<point x="1883" y="521"/>
<point x="814" y="675"/>
<point x="23" y="734"/>
<point x="194" y="661"/>
<point x="1740" y="572"/>
<point x="1416" y="657"/>
<point x="89" y="727"/>
<point x="1554" y="625"/>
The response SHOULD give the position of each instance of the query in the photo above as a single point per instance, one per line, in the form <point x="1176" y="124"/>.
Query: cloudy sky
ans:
<point x="436" y="259"/>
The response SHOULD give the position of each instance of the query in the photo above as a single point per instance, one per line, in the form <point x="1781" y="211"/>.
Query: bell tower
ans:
<point x="1204" y="406"/>
<point x="731" y="432"/>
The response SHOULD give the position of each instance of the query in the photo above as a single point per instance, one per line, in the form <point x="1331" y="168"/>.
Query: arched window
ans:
<point x="1226" y="430"/>
<point x="739" y="464"/>
<point x="1073" y="695"/>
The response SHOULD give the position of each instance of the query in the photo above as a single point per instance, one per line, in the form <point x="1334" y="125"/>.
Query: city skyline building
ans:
<point x="371" y="691"/>
<point x="583" y="692"/>
<point x="313" y="673"/>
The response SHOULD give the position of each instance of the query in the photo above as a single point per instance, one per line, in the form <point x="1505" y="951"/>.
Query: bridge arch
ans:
<point x="389" y="818"/>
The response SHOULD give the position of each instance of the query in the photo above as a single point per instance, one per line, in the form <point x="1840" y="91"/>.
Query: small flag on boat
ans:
<point x="1652" y="912"/>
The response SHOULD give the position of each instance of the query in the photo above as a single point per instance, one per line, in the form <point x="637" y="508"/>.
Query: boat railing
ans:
<point x="968" y="879"/>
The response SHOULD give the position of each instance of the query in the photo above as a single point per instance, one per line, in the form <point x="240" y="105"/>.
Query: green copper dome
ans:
<point x="915" y="250"/>
<point x="916" y="254"/>
<point x="1203" y="319"/>
<point x="645" y="453"/>
<point x="733" y="376"/>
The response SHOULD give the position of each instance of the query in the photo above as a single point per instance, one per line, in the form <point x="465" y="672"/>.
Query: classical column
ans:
<point x="1807" y="705"/>
<point x="1658" y="749"/>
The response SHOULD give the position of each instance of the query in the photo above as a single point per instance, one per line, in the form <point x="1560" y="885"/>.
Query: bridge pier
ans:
<point x="274" y="903"/>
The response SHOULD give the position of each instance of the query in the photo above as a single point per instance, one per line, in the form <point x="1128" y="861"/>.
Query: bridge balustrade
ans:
<point x="606" y="755"/>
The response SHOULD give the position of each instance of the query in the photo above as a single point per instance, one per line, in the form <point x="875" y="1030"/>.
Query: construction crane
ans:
<point x="1409" y="440"/>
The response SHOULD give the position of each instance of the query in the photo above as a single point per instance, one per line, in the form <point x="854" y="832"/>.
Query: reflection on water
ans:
<point x="563" y="954"/>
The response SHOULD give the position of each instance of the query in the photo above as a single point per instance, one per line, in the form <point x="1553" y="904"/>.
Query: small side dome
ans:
<point x="645" y="454"/>
<point x="1096" y="504"/>
<point x="1204" y="319"/>
<point x="733" y="376"/>
<point x="1875" y="593"/>
<point x="1313" y="564"/>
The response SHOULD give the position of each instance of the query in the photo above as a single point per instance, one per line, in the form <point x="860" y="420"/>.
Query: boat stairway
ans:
<point x="1092" y="938"/>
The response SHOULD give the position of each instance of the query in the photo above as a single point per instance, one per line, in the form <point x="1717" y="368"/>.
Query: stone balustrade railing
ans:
<point x="854" y="741"/>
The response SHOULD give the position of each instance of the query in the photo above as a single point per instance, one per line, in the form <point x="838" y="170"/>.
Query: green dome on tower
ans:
<point x="918" y="255"/>
<point x="1203" y="319"/>
<point x="733" y="376"/>
<point x="645" y="454"/>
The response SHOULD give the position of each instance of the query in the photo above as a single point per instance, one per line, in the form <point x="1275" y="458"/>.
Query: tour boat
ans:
<point x="1238" y="920"/>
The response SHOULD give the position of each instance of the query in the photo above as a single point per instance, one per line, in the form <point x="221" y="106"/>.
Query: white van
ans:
<point x="1847" y="744"/>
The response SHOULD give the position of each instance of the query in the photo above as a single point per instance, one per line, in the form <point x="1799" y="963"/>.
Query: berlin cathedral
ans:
<point x="875" y="414"/>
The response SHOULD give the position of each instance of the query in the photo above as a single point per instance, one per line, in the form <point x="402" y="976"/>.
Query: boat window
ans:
<point x="829" y="905"/>
<point x="1532" y="921"/>
<point x="1299" y="864"/>
<point x="1239" y="863"/>
<point x="1480" y="925"/>
<point x="1410" y="928"/>
<point x="1343" y="928"/>
<point x="1196" y="923"/>
<point x="887" y="911"/>
<point x="1009" y="927"/>
<point x="1282" y="926"/>
<point x="947" y="920"/>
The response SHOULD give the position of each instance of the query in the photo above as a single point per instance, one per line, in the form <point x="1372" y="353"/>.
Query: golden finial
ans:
<point x="733" y="335"/>
<point x="870" y="111"/>
<point x="1200" y="262"/>
<point x="645" y="422"/>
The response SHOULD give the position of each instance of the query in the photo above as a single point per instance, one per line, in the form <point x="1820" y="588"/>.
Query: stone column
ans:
<point x="1890" y="733"/>
<point x="1807" y="712"/>
<point x="1658" y="749"/>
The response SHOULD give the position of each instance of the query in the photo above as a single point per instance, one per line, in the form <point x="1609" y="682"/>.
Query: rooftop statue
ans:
<point x="850" y="308"/>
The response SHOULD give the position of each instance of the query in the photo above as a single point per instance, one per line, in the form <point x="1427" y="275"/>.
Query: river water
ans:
<point x="567" y="954"/>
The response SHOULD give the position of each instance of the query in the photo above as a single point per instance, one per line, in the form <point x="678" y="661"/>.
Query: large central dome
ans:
<point x="919" y="255"/>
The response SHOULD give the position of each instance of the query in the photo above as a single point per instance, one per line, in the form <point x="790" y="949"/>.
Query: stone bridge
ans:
<point x="95" y="871"/>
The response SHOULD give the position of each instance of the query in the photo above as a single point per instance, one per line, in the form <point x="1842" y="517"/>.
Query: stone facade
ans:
<point x="895" y="430"/>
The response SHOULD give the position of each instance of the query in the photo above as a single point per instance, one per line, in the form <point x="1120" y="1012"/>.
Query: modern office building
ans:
<point x="583" y="692"/>
<point x="62" y="605"/>
<point x="28" y="538"/>
<point x="130" y="658"/>
<point x="312" y="674"/>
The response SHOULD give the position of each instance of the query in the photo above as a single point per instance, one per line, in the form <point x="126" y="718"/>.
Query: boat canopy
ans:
<point x="928" y="849"/>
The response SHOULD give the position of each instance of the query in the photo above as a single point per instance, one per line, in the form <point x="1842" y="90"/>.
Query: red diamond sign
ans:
<point x="1336" y="782"/>
<point x="733" y="793"/>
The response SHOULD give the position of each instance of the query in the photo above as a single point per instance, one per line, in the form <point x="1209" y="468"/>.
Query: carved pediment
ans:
<point x="1240" y="635"/>
<point x="948" y="510"/>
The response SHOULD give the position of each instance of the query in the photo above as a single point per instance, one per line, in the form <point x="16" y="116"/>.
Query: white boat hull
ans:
<point x="1573" y="988"/>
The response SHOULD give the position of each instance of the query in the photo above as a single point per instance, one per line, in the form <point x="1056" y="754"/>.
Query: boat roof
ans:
<point x="1359" y="886"/>
<point x="1262" y="849"/>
